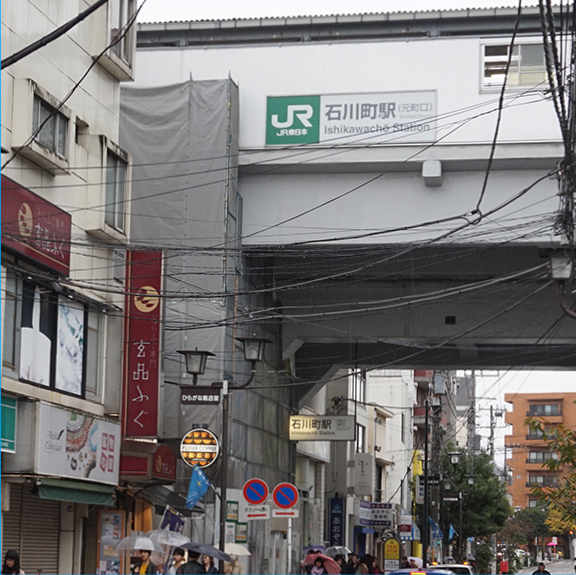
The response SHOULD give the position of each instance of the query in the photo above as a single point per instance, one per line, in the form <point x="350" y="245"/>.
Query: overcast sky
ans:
<point x="166" y="10"/>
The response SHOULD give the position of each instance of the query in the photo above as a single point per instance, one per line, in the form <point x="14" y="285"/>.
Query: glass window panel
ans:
<point x="110" y="192"/>
<point x="62" y="131"/>
<point x="46" y="134"/>
<point x="10" y="326"/>
<point x="496" y="50"/>
<point x="532" y="55"/>
<point x="93" y="354"/>
<point x="120" y="194"/>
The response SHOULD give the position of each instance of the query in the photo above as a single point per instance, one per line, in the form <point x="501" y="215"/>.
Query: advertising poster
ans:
<point x="70" y="346"/>
<point x="110" y="533"/>
<point x="72" y="444"/>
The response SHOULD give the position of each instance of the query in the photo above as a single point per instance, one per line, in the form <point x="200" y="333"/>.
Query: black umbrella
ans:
<point x="206" y="549"/>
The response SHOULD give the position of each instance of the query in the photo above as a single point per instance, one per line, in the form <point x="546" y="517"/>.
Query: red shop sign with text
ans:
<point x="142" y="343"/>
<point x="35" y="228"/>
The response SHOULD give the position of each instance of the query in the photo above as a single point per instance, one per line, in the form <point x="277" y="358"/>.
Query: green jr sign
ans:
<point x="293" y="120"/>
<point x="8" y="416"/>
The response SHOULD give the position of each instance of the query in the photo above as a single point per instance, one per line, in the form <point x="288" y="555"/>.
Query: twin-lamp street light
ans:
<point x="195" y="366"/>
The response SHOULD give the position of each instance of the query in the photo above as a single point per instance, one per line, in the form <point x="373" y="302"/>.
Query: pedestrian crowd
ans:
<point x="366" y="565"/>
<point x="178" y="566"/>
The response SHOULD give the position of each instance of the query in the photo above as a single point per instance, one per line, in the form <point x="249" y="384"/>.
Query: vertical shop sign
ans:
<point x="142" y="343"/>
<point x="337" y="522"/>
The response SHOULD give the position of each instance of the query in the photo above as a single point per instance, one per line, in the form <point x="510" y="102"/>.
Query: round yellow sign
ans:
<point x="147" y="299"/>
<point x="199" y="447"/>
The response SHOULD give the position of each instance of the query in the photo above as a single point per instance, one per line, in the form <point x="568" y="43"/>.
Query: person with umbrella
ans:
<point x="318" y="567"/>
<point x="209" y="566"/>
<point x="177" y="561"/>
<point x="192" y="567"/>
<point x="146" y="566"/>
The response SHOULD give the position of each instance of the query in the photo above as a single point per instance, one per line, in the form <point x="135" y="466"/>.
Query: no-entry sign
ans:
<point x="255" y="491"/>
<point x="285" y="495"/>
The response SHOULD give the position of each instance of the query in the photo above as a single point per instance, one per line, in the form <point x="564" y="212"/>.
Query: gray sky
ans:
<point x="166" y="10"/>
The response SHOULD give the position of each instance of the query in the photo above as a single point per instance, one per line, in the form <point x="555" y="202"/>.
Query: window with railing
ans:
<point x="545" y="409"/>
<point x="541" y="456"/>
<point x="542" y="480"/>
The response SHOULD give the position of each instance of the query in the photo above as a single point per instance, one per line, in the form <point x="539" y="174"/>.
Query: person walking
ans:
<point x="11" y="565"/>
<point x="208" y="563"/>
<point x="191" y="567"/>
<point x="177" y="561"/>
<point x="541" y="570"/>
<point x="146" y="567"/>
<point x="352" y="566"/>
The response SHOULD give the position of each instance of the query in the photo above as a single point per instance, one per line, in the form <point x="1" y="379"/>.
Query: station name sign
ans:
<point x="322" y="428"/>
<point x="357" y="119"/>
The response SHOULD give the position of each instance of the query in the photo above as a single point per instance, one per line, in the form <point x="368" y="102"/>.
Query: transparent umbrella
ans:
<point x="165" y="537"/>
<point x="236" y="549"/>
<point x="138" y="542"/>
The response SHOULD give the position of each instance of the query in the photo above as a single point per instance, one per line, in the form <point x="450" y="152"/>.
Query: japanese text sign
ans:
<point x="322" y="428"/>
<point x="389" y="117"/>
<point x="35" y="228"/>
<point x="337" y="522"/>
<point x="142" y="343"/>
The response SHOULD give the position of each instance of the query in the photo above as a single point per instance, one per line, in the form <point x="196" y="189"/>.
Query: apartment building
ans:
<point x="526" y="452"/>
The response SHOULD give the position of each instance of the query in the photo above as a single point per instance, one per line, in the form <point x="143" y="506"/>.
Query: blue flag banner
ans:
<point x="199" y="484"/>
<point x="435" y="531"/>
<point x="172" y="520"/>
<point x="451" y="533"/>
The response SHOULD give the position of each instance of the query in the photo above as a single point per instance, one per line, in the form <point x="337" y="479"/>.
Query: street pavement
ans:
<point x="565" y="567"/>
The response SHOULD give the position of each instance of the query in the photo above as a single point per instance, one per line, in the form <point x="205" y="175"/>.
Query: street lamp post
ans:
<point x="196" y="365"/>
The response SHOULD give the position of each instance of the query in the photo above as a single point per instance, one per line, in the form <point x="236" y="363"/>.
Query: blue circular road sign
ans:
<point x="255" y="491"/>
<point x="285" y="495"/>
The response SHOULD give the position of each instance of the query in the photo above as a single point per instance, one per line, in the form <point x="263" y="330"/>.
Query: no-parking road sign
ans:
<point x="285" y="495"/>
<point x="255" y="491"/>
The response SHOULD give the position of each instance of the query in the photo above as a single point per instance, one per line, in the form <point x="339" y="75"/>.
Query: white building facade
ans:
<point x="65" y="223"/>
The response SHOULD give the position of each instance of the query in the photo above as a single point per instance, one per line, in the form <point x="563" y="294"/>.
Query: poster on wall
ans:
<point x="37" y="332"/>
<point x="70" y="346"/>
<point x="110" y="533"/>
<point x="72" y="444"/>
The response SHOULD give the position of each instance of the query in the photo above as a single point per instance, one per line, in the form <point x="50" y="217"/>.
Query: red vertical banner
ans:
<point x="142" y="343"/>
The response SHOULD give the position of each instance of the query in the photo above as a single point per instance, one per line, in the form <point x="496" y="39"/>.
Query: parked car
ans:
<point x="457" y="568"/>
<point x="417" y="570"/>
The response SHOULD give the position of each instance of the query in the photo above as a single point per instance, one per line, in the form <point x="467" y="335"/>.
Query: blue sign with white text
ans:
<point x="337" y="521"/>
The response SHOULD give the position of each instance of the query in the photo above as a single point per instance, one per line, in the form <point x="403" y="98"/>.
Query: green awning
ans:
<point x="76" y="491"/>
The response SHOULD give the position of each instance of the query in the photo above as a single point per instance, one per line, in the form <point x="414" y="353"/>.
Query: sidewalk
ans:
<point x="564" y="567"/>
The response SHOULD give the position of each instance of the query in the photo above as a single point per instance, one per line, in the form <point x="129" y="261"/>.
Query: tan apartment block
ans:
<point x="526" y="452"/>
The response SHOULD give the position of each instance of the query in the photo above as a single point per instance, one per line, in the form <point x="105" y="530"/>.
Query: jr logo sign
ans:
<point x="293" y="120"/>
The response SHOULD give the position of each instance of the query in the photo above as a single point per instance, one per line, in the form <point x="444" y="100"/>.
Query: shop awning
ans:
<point x="161" y="496"/>
<point x="76" y="491"/>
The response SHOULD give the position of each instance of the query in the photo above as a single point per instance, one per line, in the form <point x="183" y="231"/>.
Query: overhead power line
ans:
<point x="54" y="35"/>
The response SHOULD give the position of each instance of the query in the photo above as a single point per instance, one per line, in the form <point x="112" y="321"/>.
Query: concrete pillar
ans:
<point x="66" y="540"/>
<point x="320" y="488"/>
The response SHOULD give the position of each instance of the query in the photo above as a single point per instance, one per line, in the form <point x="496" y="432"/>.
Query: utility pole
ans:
<point x="491" y="441"/>
<point x="493" y="415"/>
<point x="425" y="525"/>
